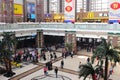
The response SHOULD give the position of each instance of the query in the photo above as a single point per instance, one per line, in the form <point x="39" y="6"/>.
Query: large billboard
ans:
<point x="31" y="11"/>
<point x="69" y="10"/>
<point x="114" y="11"/>
<point x="18" y="9"/>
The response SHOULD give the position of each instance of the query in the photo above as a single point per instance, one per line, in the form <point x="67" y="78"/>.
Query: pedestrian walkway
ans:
<point x="51" y="77"/>
<point x="70" y="69"/>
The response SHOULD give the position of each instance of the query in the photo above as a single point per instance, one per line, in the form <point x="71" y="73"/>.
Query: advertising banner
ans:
<point x="31" y="11"/>
<point x="69" y="10"/>
<point x="114" y="10"/>
<point x="18" y="9"/>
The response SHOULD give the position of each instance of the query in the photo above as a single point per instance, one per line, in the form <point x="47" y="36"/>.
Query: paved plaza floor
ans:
<point x="69" y="72"/>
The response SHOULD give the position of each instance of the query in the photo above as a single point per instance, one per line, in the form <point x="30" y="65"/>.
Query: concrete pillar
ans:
<point x="40" y="39"/>
<point x="70" y="38"/>
<point x="114" y="40"/>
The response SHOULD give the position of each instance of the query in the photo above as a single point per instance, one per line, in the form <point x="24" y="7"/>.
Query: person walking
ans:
<point x="62" y="64"/>
<point x="45" y="70"/>
<point x="79" y="65"/>
<point x="56" y="72"/>
<point x="55" y="56"/>
<point x="72" y="54"/>
<point x="88" y="60"/>
<point x="51" y="56"/>
<point x="111" y="70"/>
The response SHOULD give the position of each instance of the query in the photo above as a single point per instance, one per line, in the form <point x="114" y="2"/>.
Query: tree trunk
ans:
<point x="9" y="72"/>
<point x="106" y="68"/>
<point x="9" y="64"/>
<point x="6" y="64"/>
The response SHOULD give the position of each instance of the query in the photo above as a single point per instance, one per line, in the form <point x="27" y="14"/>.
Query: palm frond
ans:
<point x="85" y="70"/>
<point x="113" y="55"/>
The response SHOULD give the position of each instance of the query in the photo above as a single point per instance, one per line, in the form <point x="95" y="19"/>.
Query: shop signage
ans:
<point x="57" y="16"/>
<point x="103" y="14"/>
<point x="90" y="15"/>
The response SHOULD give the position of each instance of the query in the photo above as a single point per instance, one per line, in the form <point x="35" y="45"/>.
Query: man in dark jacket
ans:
<point x="56" y="71"/>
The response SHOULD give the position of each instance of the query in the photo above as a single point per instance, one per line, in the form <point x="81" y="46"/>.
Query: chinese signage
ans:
<point x="69" y="10"/>
<point x="114" y="11"/>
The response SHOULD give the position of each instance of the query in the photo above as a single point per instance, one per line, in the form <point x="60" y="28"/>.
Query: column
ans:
<point x="70" y="38"/>
<point x="114" y="39"/>
<point x="40" y="39"/>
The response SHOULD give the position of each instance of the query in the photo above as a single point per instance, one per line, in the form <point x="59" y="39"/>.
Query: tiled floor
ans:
<point x="70" y="70"/>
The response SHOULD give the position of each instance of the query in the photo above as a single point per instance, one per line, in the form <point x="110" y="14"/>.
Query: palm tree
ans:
<point x="7" y="44"/>
<point x="105" y="51"/>
<point x="86" y="70"/>
<point x="69" y="46"/>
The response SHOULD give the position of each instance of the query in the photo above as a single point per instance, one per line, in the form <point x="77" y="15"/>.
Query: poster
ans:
<point x="31" y="11"/>
<point x="18" y="9"/>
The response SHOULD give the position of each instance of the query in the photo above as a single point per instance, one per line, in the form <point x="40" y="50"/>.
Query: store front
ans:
<point x="53" y="40"/>
<point x="93" y="17"/>
<point x="87" y="43"/>
<point x="26" y="41"/>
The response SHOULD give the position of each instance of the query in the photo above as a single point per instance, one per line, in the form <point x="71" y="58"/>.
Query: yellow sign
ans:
<point x="18" y="9"/>
<point x="57" y="16"/>
<point x="90" y="15"/>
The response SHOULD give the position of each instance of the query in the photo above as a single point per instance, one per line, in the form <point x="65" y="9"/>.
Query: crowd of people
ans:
<point x="33" y="55"/>
<point x="26" y="55"/>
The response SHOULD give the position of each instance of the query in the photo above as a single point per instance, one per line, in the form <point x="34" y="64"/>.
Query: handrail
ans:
<point x="64" y="26"/>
